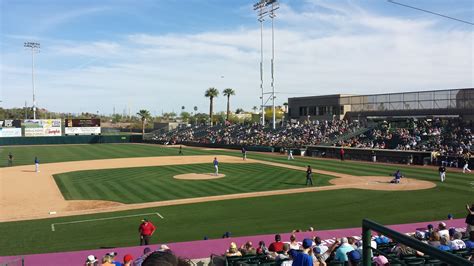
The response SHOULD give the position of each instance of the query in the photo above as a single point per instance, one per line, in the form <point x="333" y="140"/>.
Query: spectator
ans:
<point x="127" y="260"/>
<point x="233" y="251"/>
<point x="276" y="246"/>
<point x="113" y="255"/>
<point x="457" y="243"/>
<point x="293" y="243"/>
<point x="442" y="230"/>
<point x="381" y="239"/>
<point x="469" y="219"/>
<point x="319" y="244"/>
<point x="248" y="249"/>
<point x="262" y="249"/>
<point x="91" y="261"/>
<point x="470" y="241"/>
<point x="434" y="240"/>
<point x="354" y="257"/>
<point x="344" y="248"/>
<point x="158" y="258"/>
<point x="284" y="254"/>
<point x="445" y="246"/>
<point x="304" y="258"/>
<point x="380" y="260"/>
<point x="107" y="260"/>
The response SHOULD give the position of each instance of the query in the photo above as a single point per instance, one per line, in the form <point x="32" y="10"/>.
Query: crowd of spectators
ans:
<point x="449" y="137"/>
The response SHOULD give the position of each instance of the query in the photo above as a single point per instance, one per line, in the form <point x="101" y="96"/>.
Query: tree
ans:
<point x="185" y="116"/>
<point x="183" y="107"/>
<point x="254" y="109"/>
<point x="144" y="115"/>
<point x="239" y="111"/>
<point x="211" y="93"/>
<point x="228" y="92"/>
<point x="195" y="108"/>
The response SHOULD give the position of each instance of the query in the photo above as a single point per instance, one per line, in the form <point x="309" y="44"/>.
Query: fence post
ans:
<point x="366" y="245"/>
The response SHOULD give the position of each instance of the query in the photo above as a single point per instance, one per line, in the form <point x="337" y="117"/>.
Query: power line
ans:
<point x="431" y="12"/>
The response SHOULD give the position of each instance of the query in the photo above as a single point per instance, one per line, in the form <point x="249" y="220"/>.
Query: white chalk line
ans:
<point x="53" y="225"/>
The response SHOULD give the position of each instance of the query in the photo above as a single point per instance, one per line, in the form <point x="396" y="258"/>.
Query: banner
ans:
<point x="82" y="122"/>
<point x="42" y="127"/>
<point x="10" y="132"/>
<point x="10" y="123"/>
<point x="82" y="130"/>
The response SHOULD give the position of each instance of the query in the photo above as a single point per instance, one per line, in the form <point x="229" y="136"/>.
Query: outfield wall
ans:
<point x="70" y="140"/>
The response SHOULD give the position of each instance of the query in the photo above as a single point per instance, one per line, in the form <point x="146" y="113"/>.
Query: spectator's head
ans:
<point x="430" y="227"/>
<point x="457" y="235"/>
<point x="451" y="232"/>
<point x="248" y="245"/>
<point x="158" y="258"/>
<point x="317" y="240"/>
<point x="344" y="240"/>
<point x="351" y="240"/>
<point x="127" y="259"/>
<point x="307" y="243"/>
<point x="380" y="260"/>
<point x="354" y="256"/>
<point x="435" y="236"/>
<point x="232" y="247"/>
<point x="112" y="254"/>
<point x="164" y="248"/>
<point x="146" y="250"/>
<point x="107" y="259"/>
<point x="277" y="238"/>
<point x="316" y="250"/>
<point x="420" y="235"/>
<point x="261" y="243"/>
<point x="444" y="241"/>
<point x="91" y="260"/>
<point x="293" y="238"/>
<point x="286" y="247"/>
<point x="442" y="226"/>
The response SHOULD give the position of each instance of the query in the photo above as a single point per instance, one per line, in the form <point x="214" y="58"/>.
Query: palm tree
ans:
<point x="144" y="115"/>
<point x="254" y="109"/>
<point x="211" y="93"/>
<point x="228" y="92"/>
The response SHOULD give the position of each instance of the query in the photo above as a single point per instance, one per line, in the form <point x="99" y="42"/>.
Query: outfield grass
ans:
<point x="251" y="216"/>
<point x="24" y="155"/>
<point x="146" y="184"/>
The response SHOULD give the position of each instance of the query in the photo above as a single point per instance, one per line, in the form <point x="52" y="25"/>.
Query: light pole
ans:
<point x="264" y="8"/>
<point x="34" y="46"/>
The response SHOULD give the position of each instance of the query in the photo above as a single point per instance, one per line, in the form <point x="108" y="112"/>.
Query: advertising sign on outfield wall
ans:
<point x="42" y="127"/>
<point x="82" y="127"/>
<point x="10" y="128"/>
<point x="82" y="130"/>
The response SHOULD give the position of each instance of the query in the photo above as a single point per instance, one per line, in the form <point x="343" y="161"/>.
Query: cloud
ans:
<point x="345" y="49"/>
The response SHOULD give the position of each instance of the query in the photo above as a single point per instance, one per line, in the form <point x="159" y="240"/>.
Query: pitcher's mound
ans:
<point x="194" y="176"/>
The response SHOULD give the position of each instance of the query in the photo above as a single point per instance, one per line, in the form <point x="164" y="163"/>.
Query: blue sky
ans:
<point x="162" y="54"/>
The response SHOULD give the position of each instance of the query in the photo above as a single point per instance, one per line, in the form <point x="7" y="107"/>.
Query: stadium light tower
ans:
<point x="34" y="46"/>
<point x="264" y="8"/>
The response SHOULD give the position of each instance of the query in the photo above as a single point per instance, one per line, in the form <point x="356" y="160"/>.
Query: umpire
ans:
<point x="309" y="176"/>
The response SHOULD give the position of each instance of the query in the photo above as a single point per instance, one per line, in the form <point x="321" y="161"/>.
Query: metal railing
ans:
<point x="368" y="226"/>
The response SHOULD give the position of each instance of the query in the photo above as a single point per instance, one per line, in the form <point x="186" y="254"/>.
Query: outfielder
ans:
<point x="466" y="163"/>
<point x="290" y="155"/>
<point x="37" y="163"/>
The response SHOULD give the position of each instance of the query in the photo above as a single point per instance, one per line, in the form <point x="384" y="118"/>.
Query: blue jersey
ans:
<point x="216" y="163"/>
<point x="36" y="160"/>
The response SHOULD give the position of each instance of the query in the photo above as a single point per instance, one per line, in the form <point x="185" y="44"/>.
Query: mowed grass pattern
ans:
<point x="24" y="155"/>
<point x="147" y="184"/>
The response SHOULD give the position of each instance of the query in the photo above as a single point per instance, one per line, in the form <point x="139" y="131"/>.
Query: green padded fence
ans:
<point x="71" y="140"/>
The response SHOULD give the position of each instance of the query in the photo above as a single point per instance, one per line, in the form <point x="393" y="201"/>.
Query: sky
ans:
<point x="160" y="55"/>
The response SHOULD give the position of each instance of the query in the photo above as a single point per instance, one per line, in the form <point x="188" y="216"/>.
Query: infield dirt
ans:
<point x="26" y="194"/>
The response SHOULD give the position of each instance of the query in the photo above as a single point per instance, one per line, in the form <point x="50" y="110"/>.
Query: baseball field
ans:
<point x="93" y="196"/>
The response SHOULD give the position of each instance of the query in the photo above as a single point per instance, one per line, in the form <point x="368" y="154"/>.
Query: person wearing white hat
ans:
<point x="91" y="261"/>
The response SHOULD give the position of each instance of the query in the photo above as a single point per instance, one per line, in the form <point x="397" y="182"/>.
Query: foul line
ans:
<point x="103" y="219"/>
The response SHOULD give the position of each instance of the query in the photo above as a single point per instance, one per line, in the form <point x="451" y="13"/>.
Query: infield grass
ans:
<point x="146" y="184"/>
<point x="250" y="216"/>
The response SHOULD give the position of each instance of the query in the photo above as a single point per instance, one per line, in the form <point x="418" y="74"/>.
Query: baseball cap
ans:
<point x="112" y="254"/>
<point x="307" y="243"/>
<point x="144" y="220"/>
<point x="317" y="250"/>
<point x="354" y="256"/>
<point x="452" y="231"/>
<point x="127" y="258"/>
<point x="443" y="224"/>
<point x="380" y="260"/>
<point x="163" y="248"/>
<point x="430" y="226"/>
<point x="91" y="258"/>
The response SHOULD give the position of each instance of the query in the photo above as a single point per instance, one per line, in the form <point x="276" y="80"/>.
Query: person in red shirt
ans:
<point x="146" y="230"/>
<point x="276" y="246"/>
<point x="341" y="152"/>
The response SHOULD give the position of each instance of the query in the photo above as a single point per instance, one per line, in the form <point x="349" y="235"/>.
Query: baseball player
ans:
<point x="216" y="166"/>
<point x="37" y="163"/>
<point x="290" y="155"/>
<point x="244" y="153"/>
<point x="309" y="176"/>
<point x="180" y="150"/>
<point x="10" y="159"/>
<point x="467" y="156"/>
<point x="442" y="172"/>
